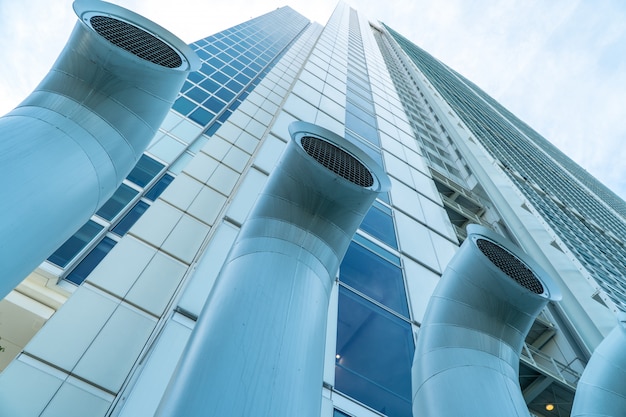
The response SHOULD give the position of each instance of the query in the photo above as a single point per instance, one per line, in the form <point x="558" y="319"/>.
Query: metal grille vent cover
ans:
<point x="510" y="265"/>
<point x="136" y="41"/>
<point x="338" y="161"/>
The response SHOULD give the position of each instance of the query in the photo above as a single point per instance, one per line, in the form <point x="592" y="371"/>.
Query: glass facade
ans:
<point x="586" y="216"/>
<point x="234" y="61"/>
<point x="143" y="267"/>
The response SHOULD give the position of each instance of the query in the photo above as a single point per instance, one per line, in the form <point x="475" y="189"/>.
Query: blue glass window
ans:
<point x="229" y="70"/>
<point x="213" y="128"/>
<point x="214" y="104"/>
<point x="183" y="105"/>
<point x="155" y="191"/>
<point x="338" y="413"/>
<point x="361" y="128"/>
<point x="146" y="169"/>
<point x="374" y="355"/>
<point x="195" y="77"/>
<point x="89" y="263"/>
<point x="131" y="217"/>
<point x="197" y="94"/>
<point x="201" y="116"/>
<point x="237" y="65"/>
<point x="379" y="223"/>
<point x="75" y="244"/>
<point x="234" y="85"/>
<point x="120" y="199"/>
<point x="207" y="69"/>
<point x="220" y="77"/>
<point x="242" y="78"/>
<point x="360" y="113"/>
<point x="375" y="277"/>
<point x="209" y="85"/>
<point x="225" y="116"/>
<point x="225" y="94"/>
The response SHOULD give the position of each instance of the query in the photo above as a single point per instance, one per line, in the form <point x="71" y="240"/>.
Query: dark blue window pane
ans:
<point x="75" y="244"/>
<point x="374" y="355"/>
<point x="214" y="104"/>
<point x="183" y="105"/>
<point x="195" y="77"/>
<point x="361" y="114"/>
<point x="237" y="65"/>
<point x="361" y="128"/>
<point x="225" y="94"/>
<point x="201" y="116"/>
<point x="122" y="196"/>
<point x="380" y="225"/>
<point x="213" y="128"/>
<point x="131" y="217"/>
<point x="197" y="94"/>
<point x="146" y="169"/>
<point x="156" y="190"/>
<point x="207" y="69"/>
<point x="209" y="85"/>
<point x="394" y="259"/>
<point x="338" y="413"/>
<point x="242" y="78"/>
<point x="370" y="274"/>
<point x="220" y="77"/>
<point x="203" y="54"/>
<point x="186" y="86"/>
<point x="234" y="85"/>
<point x="224" y="116"/>
<point x="89" y="263"/>
<point x="229" y="70"/>
<point x="249" y="72"/>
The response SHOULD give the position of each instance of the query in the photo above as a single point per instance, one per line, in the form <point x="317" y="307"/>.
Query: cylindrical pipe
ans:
<point x="258" y="345"/>
<point x="67" y="147"/>
<point x="601" y="390"/>
<point x="468" y="348"/>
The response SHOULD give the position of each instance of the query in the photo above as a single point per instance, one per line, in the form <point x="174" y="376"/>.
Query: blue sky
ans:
<point x="560" y="65"/>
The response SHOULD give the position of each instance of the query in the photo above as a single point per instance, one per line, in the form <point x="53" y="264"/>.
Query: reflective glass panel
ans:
<point x="374" y="356"/>
<point x="379" y="224"/>
<point x="131" y="217"/>
<point x="89" y="263"/>
<point x="146" y="169"/>
<point x="156" y="190"/>
<point x="375" y="277"/>
<point x="75" y="244"/>
<point x="122" y="196"/>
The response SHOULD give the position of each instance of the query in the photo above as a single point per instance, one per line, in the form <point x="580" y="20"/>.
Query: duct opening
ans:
<point x="136" y="41"/>
<point x="338" y="161"/>
<point x="510" y="265"/>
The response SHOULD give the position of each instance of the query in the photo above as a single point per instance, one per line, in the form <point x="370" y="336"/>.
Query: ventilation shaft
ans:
<point x="468" y="348"/>
<point x="601" y="390"/>
<point x="258" y="346"/>
<point x="67" y="147"/>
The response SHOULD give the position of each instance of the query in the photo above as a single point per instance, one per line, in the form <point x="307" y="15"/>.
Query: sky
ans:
<point x="559" y="65"/>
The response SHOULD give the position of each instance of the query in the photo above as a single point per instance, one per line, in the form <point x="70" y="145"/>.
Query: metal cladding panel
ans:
<point x="258" y="345"/>
<point x="601" y="390"/>
<point x="467" y="354"/>
<point x="66" y="148"/>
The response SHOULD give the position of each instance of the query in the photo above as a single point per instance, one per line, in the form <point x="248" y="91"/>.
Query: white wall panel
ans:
<point x="115" y="349"/>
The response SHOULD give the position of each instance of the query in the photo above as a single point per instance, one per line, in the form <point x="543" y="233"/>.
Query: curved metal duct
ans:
<point x="601" y="390"/>
<point x="258" y="345"/>
<point x="468" y="348"/>
<point x="67" y="147"/>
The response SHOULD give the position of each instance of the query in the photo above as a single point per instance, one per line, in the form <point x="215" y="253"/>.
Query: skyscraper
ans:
<point x="137" y="275"/>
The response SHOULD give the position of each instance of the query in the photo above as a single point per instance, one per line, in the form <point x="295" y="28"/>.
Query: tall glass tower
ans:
<point x="121" y="298"/>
